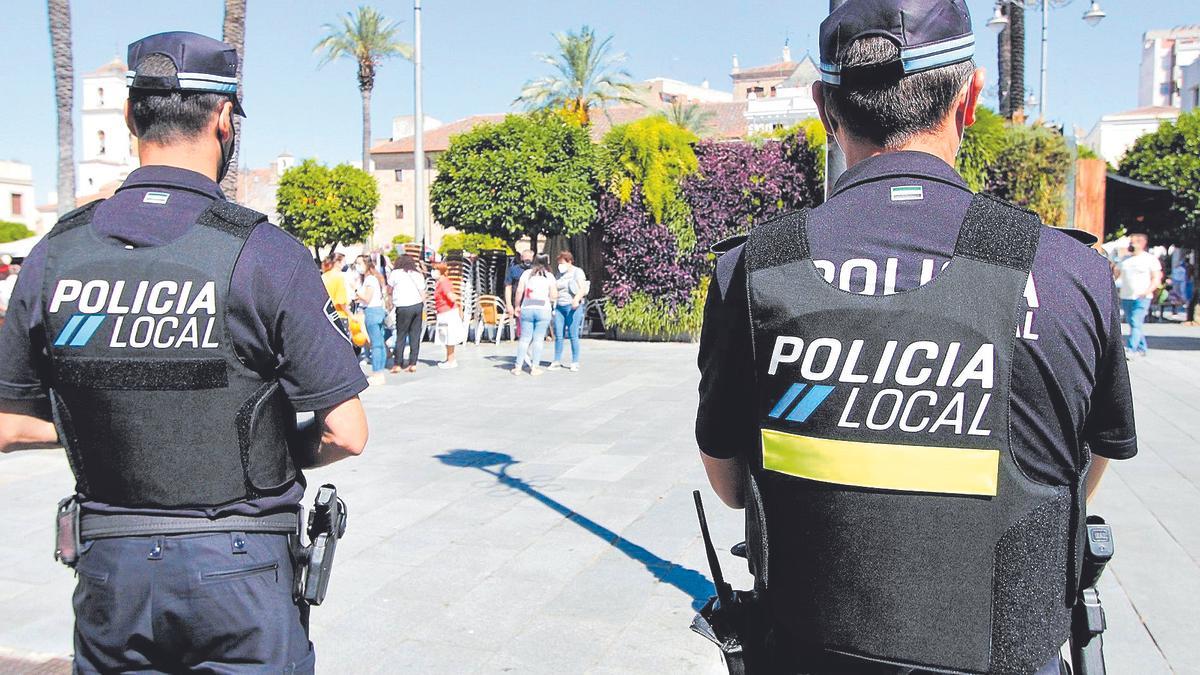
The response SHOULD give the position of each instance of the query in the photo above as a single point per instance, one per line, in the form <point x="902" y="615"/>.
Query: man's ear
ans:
<point x="971" y="100"/>
<point x="818" y="94"/>
<point x="129" y="119"/>
<point x="225" y="121"/>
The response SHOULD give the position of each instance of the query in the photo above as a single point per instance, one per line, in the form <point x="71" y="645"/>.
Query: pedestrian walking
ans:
<point x="1139" y="275"/>
<point x="450" y="331"/>
<point x="177" y="412"/>
<point x="569" y="309"/>
<point x="336" y="287"/>
<point x="537" y="292"/>
<point x="910" y="388"/>
<point x="408" y="297"/>
<point x="371" y="296"/>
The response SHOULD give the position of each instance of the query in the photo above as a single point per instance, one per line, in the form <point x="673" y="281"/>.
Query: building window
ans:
<point x="100" y="137"/>
<point x="16" y="204"/>
<point x="772" y="92"/>
<point x="399" y="175"/>
<point x="399" y="212"/>
<point x="100" y="97"/>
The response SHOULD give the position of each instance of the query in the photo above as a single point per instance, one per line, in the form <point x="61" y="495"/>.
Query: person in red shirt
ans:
<point x="451" y="331"/>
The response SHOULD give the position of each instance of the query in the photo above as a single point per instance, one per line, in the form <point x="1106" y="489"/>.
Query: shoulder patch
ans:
<point x="728" y="244"/>
<point x="332" y="315"/>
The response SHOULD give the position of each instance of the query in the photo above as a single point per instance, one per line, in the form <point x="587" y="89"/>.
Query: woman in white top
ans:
<point x="370" y="295"/>
<point x="537" y="293"/>
<point x="569" y="309"/>
<point x="408" y="298"/>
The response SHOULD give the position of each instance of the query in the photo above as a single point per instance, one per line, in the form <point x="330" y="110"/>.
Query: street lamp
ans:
<point x="998" y="22"/>
<point x="1094" y="15"/>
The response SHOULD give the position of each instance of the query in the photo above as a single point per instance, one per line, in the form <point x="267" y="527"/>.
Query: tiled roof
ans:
<point x="729" y="121"/>
<point x="781" y="69"/>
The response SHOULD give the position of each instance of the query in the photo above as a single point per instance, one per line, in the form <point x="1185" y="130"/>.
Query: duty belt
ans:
<point x="107" y="525"/>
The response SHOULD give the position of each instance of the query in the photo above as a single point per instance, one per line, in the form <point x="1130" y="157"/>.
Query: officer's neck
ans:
<point x="943" y="144"/>
<point x="199" y="156"/>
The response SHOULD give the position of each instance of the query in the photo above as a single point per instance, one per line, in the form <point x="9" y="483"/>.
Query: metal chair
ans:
<point x="492" y="313"/>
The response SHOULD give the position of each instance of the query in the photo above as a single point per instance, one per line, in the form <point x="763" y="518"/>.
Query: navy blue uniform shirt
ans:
<point x="276" y="308"/>
<point x="1070" y="382"/>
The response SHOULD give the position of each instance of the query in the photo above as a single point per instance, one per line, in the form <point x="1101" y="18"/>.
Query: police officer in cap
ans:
<point x="911" y="389"/>
<point x="172" y="336"/>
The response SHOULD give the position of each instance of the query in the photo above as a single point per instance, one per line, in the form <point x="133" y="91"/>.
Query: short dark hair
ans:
<point x="169" y="117"/>
<point x="888" y="111"/>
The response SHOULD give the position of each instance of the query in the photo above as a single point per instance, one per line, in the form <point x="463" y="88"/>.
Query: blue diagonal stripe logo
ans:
<point x="79" y="329"/>
<point x="816" y="395"/>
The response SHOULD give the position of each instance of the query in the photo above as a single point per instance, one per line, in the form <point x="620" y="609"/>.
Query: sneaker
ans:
<point x="516" y="371"/>
<point x="376" y="380"/>
<point x="554" y="365"/>
<point x="447" y="365"/>
<point x="574" y="368"/>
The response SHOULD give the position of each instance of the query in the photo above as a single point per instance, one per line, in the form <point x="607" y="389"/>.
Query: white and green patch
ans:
<point x="156" y="197"/>
<point x="908" y="193"/>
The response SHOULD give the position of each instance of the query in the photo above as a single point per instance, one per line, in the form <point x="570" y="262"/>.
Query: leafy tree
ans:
<point x="982" y="143"/>
<point x="1030" y="170"/>
<point x="471" y="242"/>
<point x="1170" y="157"/>
<point x="528" y="175"/>
<point x="367" y="37"/>
<point x="588" y="75"/>
<point x="326" y="207"/>
<point x="654" y="155"/>
<point x="690" y="116"/>
<point x="10" y="231"/>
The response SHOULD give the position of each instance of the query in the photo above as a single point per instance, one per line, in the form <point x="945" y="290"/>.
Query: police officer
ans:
<point x="172" y="336"/>
<point x="910" y="388"/>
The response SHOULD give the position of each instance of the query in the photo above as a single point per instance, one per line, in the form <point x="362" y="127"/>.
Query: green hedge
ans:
<point x="471" y="243"/>
<point x="10" y="231"/>
<point x="655" y="318"/>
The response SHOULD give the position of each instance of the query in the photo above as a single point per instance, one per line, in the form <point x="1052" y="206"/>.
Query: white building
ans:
<point x="1165" y="53"/>
<point x="1190" y="89"/>
<point x="1114" y="134"/>
<point x="257" y="187"/>
<point x="108" y="151"/>
<point x="790" y="103"/>
<point x="16" y="194"/>
<point x="666" y="90"/>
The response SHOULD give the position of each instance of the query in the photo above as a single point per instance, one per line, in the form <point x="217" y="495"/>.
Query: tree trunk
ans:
<point x="1004" y="67"/>
<point x="366" y="137"/>
<point x="64" y="100"/>
<point x="234" y="33"/>
<point x="1016" y="74"/>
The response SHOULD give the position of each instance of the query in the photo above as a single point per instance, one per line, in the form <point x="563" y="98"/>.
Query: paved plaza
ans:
<point x="545" y="525"/>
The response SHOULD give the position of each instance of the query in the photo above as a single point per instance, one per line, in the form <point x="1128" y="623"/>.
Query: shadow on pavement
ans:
<point x="1173" y="343"/>
<point x="497" y="464"/>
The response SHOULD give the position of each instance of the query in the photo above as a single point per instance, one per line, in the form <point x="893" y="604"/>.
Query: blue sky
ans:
<point x="479" y="52"/>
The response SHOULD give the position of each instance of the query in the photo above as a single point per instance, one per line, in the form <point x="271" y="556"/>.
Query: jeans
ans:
<point x="1135" y="315"/>
<point x="535" y="321"/>
<point x="375" y="316"/>
<point x="409" y="325"/>
<point x="568" y="321"/>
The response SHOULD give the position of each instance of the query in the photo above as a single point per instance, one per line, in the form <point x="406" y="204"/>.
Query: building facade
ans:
<point x="1165" y="55"/>
<point x="1190" y="89"/>
<point x="1114" y="134"/>
<point x="761" y="81"/>
<point x="666" y="90"/>
<point x="17" y="195"/>
<point x="791" y="103"/>
<point x="107" y="149"/>
<point x="256" y="187"/>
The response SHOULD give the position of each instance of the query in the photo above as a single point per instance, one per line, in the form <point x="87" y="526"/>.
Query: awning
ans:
<point x="21" y="247"/>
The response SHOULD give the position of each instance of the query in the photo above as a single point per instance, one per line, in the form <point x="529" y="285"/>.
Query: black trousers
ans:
<point x="408" y="327"/>
<point x="215" y="603"/>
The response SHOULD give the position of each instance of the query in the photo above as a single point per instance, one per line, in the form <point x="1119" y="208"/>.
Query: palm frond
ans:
<point x="586" y="73"/>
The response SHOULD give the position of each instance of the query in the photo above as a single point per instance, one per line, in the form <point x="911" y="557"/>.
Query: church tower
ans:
<point x="108" y="150"/>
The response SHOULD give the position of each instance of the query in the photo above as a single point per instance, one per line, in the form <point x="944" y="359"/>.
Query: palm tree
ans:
<point x="690" y="116"/>
<point x="589" y="74"/>
<point x="368" y="38"/>
<point x="64" y="98"/>
<point x="234" y="33"/>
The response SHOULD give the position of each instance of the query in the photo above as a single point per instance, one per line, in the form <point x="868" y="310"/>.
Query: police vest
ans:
<point x="152" y="404"/>
<point x="888" y="519"/>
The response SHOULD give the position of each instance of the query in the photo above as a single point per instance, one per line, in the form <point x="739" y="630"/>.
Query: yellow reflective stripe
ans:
<point x="912" y="468"/>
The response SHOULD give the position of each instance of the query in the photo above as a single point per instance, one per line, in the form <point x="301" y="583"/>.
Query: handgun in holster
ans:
<point x="1087" y="616"/>
<point x="326" y="525"/>
<point x="729" y="618"/>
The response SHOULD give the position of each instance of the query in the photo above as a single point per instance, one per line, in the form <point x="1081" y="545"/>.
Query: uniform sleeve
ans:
<point x="1109" y="428"/>
<point x="22" y="359"/>
<point x="726" y="424"/>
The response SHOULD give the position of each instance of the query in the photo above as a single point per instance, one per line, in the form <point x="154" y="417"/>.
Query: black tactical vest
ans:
<point x="888" y="518"/>
<point x="152" y="404"/>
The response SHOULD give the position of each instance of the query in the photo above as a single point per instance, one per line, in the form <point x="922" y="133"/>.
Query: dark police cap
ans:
<point x="929" y="33"/>
<point x="202" y="64"/>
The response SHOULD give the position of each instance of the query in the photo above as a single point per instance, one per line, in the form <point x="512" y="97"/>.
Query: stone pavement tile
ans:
<point x="551" y="646"/>
<point x="659" y="640"/>
<point x="1171" y="497"/>
<point x="609" y="468"/>
<point x="1128" y="647"/>
<point x="40" y="619"/>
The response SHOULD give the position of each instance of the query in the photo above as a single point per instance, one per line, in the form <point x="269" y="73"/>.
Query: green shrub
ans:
<point x="471" y="242"/>
<point x="655" y="318"/>
<point x="402" y="239"/>
<point x="10" y="231"/>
